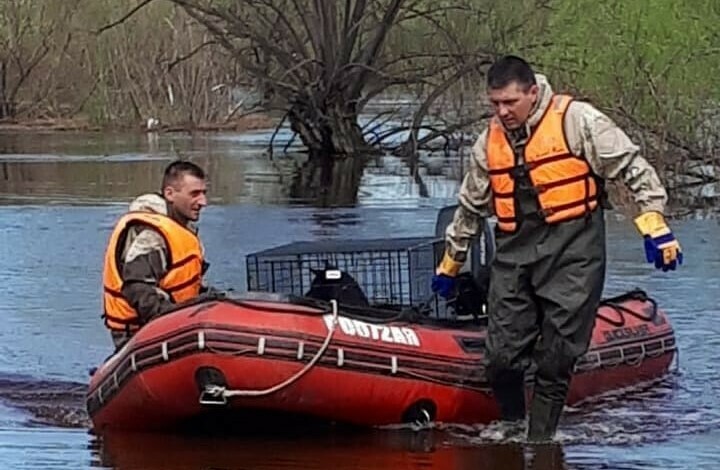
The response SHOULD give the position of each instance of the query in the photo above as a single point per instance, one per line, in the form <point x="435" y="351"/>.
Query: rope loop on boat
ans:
<point x="221" y="392"/>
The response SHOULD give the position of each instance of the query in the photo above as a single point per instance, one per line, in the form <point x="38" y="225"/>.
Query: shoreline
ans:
<point x="245" y="123"/>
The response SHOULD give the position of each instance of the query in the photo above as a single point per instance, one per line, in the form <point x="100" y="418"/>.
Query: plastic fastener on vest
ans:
<point x="520" y="171"/>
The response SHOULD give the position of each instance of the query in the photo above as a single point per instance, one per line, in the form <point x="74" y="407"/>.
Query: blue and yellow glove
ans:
<point x="661" y="247"/>
<point x="443" y="282"/>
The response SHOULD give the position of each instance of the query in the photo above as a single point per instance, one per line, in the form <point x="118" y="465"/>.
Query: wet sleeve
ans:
<point x="613" y="156"/>
<point x="145" y="264"/>
<point x="473" y="204"/>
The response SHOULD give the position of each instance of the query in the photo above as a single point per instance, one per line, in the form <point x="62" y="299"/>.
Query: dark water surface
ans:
<point x="60" y="195"/>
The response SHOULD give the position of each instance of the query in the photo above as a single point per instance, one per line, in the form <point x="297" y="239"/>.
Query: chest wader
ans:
<point x="546" y="281"/>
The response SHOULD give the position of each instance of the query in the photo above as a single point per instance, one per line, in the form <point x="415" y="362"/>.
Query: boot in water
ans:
<point x="544" y="419"/>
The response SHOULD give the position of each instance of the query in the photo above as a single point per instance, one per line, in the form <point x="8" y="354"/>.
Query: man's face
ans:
<point x="512" y="104"/>
<point x="188" y="196"/>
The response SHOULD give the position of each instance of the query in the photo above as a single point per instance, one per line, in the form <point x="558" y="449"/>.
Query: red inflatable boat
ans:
<point x="342" y="364"/>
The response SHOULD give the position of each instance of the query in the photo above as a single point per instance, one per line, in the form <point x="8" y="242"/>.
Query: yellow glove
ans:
<point x="449" y="266"/>
<point x="661" y="247"/>
<point x="443" y="282"/>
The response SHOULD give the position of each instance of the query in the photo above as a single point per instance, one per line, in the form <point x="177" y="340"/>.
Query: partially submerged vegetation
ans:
<point x="321" y="66"/>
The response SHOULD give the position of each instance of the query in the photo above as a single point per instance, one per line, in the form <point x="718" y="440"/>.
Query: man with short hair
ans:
<point x="154" y="258"/>
<point x="540" y="167"/>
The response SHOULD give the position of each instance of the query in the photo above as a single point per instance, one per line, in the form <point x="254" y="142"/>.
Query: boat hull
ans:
<point x="294" y="359"/>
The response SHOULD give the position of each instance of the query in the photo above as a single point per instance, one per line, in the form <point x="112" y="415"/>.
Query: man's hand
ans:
<point x="443" y="282"/>
<point x="443" y="285"/>
<point x="209" y="292"/>
<point x="661" y="247"/>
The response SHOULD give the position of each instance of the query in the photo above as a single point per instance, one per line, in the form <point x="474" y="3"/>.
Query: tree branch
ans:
<point x="189" y="55"/>
<point x="370" y="52"/>
<point x="124" y="18"/>
<point x="275" y="133"/>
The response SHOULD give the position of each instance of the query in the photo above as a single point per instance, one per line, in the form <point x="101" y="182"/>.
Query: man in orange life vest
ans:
<point x="155" y="259"/>
<point x="540" y="168"/>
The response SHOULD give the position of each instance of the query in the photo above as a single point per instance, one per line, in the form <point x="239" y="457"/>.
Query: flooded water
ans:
<point x="60" y="195"/>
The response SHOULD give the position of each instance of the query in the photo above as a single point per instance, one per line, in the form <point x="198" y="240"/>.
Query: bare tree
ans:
<point x="161" y="65"/>
<point x="321" y="62"/>
<point x="33" y="39"/>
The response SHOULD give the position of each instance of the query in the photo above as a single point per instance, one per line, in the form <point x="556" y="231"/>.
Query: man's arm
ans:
<point x="473" y="207"/>
<point x="612" y="155"/>
<point x="145" y="264"/>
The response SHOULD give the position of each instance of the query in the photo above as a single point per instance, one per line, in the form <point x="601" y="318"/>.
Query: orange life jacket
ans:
<point x="564" y="183"/>
<point x="182" y="281"/>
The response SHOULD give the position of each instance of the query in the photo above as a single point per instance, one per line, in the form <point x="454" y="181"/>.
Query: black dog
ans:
<point x="471" y="296"/>
<point x="331" y="283"/>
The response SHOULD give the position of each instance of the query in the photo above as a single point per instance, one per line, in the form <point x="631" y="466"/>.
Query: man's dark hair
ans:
<point x="177" y="169"/>
<point x="510" y="69"/>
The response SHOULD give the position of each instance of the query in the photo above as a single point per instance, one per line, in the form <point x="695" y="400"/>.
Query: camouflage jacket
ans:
<point x="144" y="262"/>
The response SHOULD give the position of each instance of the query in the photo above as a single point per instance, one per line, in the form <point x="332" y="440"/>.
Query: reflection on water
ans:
<point x="90" y="170"/>
<point x="378" y="450"/>
<point x="93" y="180"/>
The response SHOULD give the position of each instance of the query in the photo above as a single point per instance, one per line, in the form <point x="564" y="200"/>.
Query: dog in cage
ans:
<point x="471" y="297"/>
<point x="332" y="283"/>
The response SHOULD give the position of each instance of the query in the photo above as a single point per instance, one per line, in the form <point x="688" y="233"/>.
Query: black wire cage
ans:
<point x="392" y="273"/>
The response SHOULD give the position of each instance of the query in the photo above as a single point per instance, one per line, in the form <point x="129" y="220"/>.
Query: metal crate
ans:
<point x="392" y="272"/>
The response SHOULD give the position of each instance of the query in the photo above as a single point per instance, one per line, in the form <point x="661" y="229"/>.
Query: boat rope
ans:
<point x="220" y="391"/>
<point x="615" y="303"/>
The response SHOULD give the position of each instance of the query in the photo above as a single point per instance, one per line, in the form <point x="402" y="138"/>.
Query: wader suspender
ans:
<point x="520" y="170"/>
